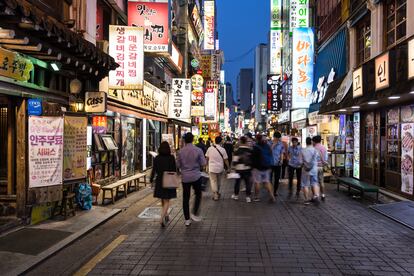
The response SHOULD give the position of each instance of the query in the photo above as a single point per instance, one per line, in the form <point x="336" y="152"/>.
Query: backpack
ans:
<point x="267" y="160"/>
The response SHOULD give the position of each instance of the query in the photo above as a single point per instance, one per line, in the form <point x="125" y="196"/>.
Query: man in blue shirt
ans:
<point x="190" y="160"/>
<point x="295" y="165"/>
<point x="278" y="150"/>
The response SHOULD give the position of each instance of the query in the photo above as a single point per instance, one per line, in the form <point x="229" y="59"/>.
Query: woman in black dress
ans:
<point x="164" y="162"/>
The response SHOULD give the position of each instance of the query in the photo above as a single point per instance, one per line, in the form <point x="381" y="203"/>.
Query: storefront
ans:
<point x="283" y="123"/>
<point x="299" y="124"/>
<point x="380" y="106"/>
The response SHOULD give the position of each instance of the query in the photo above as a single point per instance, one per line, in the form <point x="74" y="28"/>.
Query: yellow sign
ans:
<point x="14" y="66"/>
<point x="205" y="66"/>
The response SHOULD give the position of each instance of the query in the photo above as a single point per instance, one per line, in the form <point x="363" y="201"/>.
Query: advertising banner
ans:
<point x="407" y="142"/>
<point x="127" y="48"/>
<point x="154" y="99"/>
<point x="75" y="148"/>
<point x="209" y="28"/>
<point x="357" y="128"/>
<point x="287" y="95"/>
<point x="197" y="96"/>
<point x="275" y="52"/>
<point x="99" y="23"/>
<point x="210" y="100"/>
<point x="303" y="51"/>
<point x="179" y="107"/>
<point x="45" y="151"/>
<point x="154" y="18"/>
<point x="274" y="94"/>
<point x="275" y="14"/>
<point x="299" y="14"/>
<point x="215" y="67"/>
<point x="95" y="102"/>
<point x="14" y="66"/>
<point x="205" y="66"/>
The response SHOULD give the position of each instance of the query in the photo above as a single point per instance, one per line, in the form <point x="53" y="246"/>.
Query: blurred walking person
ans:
<point x="242" y="163"/>
<point x="228" y="146"/>
<point x="310" y="173"/>
<point x="190" y="161"/>
<point x="278" y="150"/>
<point x="218" y="163"/>
<point x="163" y="162"/>
<point x="201" y="145"/>
<point x="322" y="159"/>
<point x="262" y="161"/>
<point x="294" y="165"/>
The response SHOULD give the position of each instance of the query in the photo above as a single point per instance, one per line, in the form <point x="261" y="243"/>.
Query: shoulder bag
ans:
<point x="170" y="180"/>
<point x="224" y="163"/>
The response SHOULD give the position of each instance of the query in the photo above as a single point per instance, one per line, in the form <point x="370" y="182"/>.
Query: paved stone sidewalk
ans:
<point x="340" y="237"/>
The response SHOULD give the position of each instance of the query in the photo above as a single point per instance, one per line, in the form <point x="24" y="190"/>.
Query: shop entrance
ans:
<point x="374" y="153"/>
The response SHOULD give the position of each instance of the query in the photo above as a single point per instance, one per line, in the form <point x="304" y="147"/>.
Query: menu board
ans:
<point x="45" y="151"/>
<point x="407" y="134"/>
<point x="74" y="150"/>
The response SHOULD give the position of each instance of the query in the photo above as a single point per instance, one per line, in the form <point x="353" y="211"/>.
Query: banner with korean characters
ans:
<point x="14" y="66"/>
<point x="45" y="151"/>
<point x="407" y="134"/>
<point x="74" y="149"/>
<point x="179" y="107"/>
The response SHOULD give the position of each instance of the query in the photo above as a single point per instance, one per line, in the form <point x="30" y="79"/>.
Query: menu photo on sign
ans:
<point x="126" y="46"/>
<point x="407" y="152"/>
<point x="45" y="151"/>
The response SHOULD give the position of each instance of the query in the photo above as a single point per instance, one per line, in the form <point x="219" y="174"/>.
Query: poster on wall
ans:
<point x="128" y="135"/>
<point x="303" y="53"/>
<point x="75" y="147"/>
<point x="210" y="101"/>
<point x="154" y="18"/>
<point x="356" y="156"/>
<point x="209" y="27"/>
<point x="407" y="134"/>
<point x="45" y="151"/>
<point x="126" y="46"/>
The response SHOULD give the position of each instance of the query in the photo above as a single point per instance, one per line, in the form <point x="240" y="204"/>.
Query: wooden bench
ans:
<point x="135" y="180"/>
<point x="114" y="186"/>
<point x="356" y="184"/>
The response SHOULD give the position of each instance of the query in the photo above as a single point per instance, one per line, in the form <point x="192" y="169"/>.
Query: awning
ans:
<point x="179" y="123"/>
<point x="47" y="39"/>
<point x="332" y="102"/>
<point x="333" y="54"/>
<point x="122" y="109"/>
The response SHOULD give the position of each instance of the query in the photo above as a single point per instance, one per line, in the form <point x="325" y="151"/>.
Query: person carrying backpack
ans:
<point x="310" y="172"/>
<point x="242" y="163"/>
<point x="262" y="161"/>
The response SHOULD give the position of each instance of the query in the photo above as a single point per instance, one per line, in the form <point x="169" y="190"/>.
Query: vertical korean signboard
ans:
<point x="126" y="47"/>
<point x="274" y="94"/>
<point x="180" y="100"/>
<point x="357" y="128"/>
<point x="154" y="18"/>
<point x="382" y="71"/>
<point x="299" y="14"/>
<point x="74" y="150"/>
<point x="210" y="100"/>
<point x="407" y="156"/>
<point x="275" y="37"/>
<point x="209" y="25"/>
<point x="45" y="151"/>
<point x="303" y="49"/>
<point x="197" y="96"/>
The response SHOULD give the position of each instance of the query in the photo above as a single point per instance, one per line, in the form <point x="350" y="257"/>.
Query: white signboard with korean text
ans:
<point x="299" y="14"/>
<point x="299" y="114"/>
<point x="382" y="71"/>
<point x="315" y="118"/>
<point x="126" y="46"/>
<point x="302" y="74"/>
<point x="284" y="117"/>
<point x="357" y="84"/>
<point x="275" y="52"/>
<point x="45" y="151"/>
<point x="357" y="128"/>
<point x="209" y="28"/>
<point x="210" y="101"/>
<point x="179" y="107"/>
<point x="157" y="98"/>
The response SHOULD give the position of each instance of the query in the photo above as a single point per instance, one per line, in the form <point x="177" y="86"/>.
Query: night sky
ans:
<point x="242" y="25"/>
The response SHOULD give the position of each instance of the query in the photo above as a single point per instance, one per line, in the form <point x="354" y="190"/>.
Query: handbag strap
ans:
<point x="219" y="153"/>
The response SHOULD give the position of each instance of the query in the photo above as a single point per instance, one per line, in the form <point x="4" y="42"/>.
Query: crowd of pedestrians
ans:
<point x="258" y="162"/>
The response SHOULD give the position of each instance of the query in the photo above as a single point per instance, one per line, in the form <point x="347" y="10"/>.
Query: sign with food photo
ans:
<point x="407" y="134"/>
<point x="407" y="114"/>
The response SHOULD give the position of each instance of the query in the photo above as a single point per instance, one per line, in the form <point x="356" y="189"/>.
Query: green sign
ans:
<point x="194" y="63"/>
<point x="276" y="17"/>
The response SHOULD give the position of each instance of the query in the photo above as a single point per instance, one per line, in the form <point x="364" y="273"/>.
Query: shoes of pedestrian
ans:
<point x="323" y="197"/>
<point x="242" y="189"/>
<point x="256" y="199"/>
<point x="248" y="199"/>
<point x="216" y="196"/>
<point x="289" y="195"/>
<point x="307" y="202"/>
<point x="167" y="218"/>
<point x="235" y="197"/>
<point x="196" y="218"/>
<point x="272" y="199"/>
<point x="187" y="222"/>
<point x="297" y="197"/>
<point x="315" y="200"/>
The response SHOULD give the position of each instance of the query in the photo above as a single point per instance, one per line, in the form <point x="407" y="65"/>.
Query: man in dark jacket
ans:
<point x="228" y="146"/>
<point x="242" y="163"/>
<point x="262" y="159"/>
<point x="201" y="145"/>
